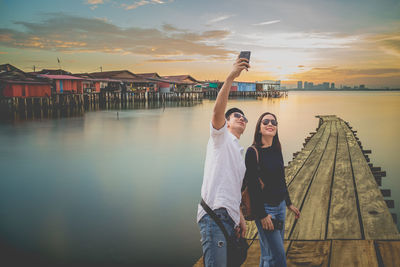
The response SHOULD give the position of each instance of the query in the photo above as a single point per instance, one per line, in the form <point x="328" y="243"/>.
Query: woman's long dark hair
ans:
<point x="276" y="145"/>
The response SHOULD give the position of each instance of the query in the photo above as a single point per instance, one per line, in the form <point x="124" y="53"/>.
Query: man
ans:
<point x="223" y="175"/>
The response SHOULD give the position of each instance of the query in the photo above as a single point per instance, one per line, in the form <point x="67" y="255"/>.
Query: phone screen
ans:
<point x="245" y="54"/>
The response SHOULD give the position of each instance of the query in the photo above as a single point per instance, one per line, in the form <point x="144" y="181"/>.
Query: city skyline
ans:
<point x="318" y="41"/>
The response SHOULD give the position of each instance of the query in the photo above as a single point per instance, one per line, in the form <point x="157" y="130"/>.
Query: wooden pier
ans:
<point x="345" y="221"/>
<point x="68" y="103"/>
<point x="255" y="94"/>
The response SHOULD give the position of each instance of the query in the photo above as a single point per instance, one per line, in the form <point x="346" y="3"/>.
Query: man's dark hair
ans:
<point x="232" y="110"/>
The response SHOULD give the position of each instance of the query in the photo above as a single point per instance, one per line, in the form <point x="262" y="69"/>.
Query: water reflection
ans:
<point x="119" y="190"/>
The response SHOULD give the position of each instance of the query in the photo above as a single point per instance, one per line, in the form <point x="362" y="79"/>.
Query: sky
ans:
<point x="348" y="42"/>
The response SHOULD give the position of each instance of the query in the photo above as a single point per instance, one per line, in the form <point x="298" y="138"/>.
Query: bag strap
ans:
<point x="258" y="166"/>
<point x="215" y="218"/>
<point x="219" y="223"/>
<point x="256" y="150"/>
<point x="258" y="159"/>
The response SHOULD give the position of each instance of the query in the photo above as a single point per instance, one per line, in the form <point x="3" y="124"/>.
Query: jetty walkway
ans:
<point x="345" y="221"/>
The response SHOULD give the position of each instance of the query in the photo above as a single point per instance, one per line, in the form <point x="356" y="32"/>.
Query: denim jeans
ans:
<point x="213" y="240"/>
<point x="271" y="242"/>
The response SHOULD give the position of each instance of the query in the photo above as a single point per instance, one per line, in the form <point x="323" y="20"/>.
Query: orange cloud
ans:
<point x="96" y="35"/>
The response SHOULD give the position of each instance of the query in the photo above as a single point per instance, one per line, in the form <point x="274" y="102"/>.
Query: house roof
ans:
<point x="11" y="74"/>
<point x="122" y="75"/>
<point x="181" y="79"/>
<point x="52" y="72"/>
<point x="149" y="75"/>
<point x="60" y="77"/>
<point x="89" y="77"/>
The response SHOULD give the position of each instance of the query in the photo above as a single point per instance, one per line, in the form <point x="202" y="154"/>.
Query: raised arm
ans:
<point x="218" y="118"/>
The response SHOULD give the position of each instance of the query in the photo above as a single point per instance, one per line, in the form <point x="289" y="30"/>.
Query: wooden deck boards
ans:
<point x="376" y="219"/>
<point x="300" y="184"/>
<point x="344" y="219"/>
<point x="312" y="223"/>
<point x="343" y="222"/>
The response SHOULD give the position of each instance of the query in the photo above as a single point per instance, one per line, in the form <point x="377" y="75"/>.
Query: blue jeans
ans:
<point x="213" y="240"/>
<point x="271" y="242"/>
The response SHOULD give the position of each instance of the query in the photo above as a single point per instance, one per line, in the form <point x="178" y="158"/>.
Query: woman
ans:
<point x="269" y="201"/>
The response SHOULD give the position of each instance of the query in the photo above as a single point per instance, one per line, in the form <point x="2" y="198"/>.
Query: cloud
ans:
<point x="140" y="3"/>
<point x="170" y="60"/>
<point x="389" y="42"/>
<point x="299" y="40"/>
<point x="220" y="18"/>
<point x="3" y="53"/>
<point x="72" y="34"/>
<point x="267" y="23"/>
<point x="94" y="2"/>
<point x="320" y="74"/>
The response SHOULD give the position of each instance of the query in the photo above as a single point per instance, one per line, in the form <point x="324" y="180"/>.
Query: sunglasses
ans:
<point x="238" y="116"/>
<point x="267" y="121"/>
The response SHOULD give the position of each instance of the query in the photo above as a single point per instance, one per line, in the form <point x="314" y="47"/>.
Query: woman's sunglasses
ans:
<point x="273" y="122"/>
<point x="238" y="116"/>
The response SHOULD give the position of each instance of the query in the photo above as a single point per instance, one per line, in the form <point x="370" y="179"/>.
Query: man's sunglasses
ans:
<point x="238" y="116"/>
<point x="273" y="122"/>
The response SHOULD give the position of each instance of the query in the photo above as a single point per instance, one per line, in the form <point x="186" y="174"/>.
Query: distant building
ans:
<point x="332" y="85"/>
<point x="362" y="86"/>
<point x="325" y="86"/>
<point x="16" y="83"/>
<point x="300" y="85"/>
<point x="270" y="85"/>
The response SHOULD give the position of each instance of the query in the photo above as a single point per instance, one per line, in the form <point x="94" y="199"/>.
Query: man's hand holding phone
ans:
<point x="238" y="66"/>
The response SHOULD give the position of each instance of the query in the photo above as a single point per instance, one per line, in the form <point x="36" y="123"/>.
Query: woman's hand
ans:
<point x="295" y="211"/>
<point x="267" y="223"/>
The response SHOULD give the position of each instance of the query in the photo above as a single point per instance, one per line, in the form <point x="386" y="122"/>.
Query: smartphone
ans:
<point x="278" y="224"/>
<point x="245" y="54"/>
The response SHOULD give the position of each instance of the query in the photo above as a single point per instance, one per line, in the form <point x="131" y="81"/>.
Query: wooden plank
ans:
<point x="309" y="253"/>
<point x="312" y="223"/>
<point x="351" y="253"/>
<point x="389" y="252"/>
<point x="343" y="221"/>
<point x="298" y="188"/>
<point x="253" y="255"/>
<point x="302" y="156"/>
<point x="376" y="218"/>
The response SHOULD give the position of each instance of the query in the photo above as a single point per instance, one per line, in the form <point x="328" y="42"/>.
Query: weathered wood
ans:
<point x="375" y="215"/>
<point x="253" y="255"/>
<point x="254" y="252"/>
<point x="389" y="252"/>
<point x="394" y="216"/>
<point x="312" y="223"/>
<point x="379" y="173"/>
<point x="375" y="169"/>
<point x="389" y="203"/>
<point x="353" y="253"/>
<point x="309" y="253"/>
<point x="300" y="159"/>
<point x="299" y="187"/>
<point x="343" y="222"/>
<point x="386" y="192"/>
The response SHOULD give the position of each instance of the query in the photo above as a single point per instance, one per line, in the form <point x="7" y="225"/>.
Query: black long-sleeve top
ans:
<point x="272" y="174"/>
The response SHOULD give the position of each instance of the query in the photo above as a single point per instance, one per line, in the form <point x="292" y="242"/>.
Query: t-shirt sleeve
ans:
<point x="252" y="178"/>
<point x="218" y="136"/>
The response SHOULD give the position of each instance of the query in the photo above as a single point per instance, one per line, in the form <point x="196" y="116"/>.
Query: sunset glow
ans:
<point x="320" y="41"/>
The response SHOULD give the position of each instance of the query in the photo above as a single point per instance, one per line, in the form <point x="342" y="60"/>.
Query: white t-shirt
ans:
<point x="223" y="173"/>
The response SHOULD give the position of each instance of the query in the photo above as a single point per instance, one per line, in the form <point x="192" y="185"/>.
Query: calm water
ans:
<point x="97" y="190"/>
